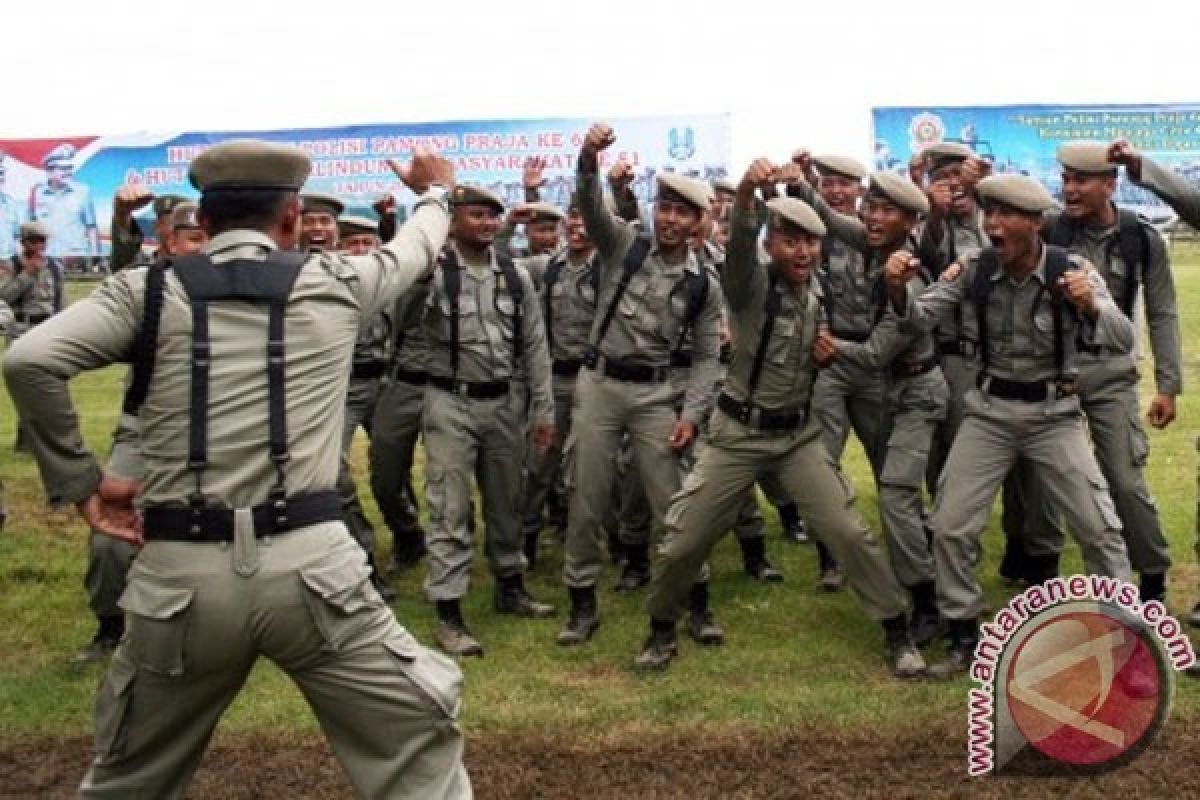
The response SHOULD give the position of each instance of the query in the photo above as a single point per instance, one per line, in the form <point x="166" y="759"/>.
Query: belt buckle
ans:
<point x="1066" y="388"/>
<point x="745" y="413"/>
<point x="462" y="388"/>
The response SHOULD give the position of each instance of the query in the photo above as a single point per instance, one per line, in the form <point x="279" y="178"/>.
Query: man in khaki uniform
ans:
<point x="125" y="235"/>
<point x="1026" y="304"/>
<point x="483" y="326"/>
<point x="915" y="391"/>
<point x="1184" y="198"/>
<point x="763" y="424"/>
<point x="245" y="553"/>
<point x="653" y="292"/>
<point x="1132" y="258"/>
<point x="109" y="558"/>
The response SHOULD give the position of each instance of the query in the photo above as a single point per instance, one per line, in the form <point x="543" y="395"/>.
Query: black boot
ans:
<point x="700" y="624"/>
<point x="636" y="572"/>
<point x="660" y="647"/>
<point x="583" y="621"/>
<point x="832" y="577"/>
<point x="379" y="582"/>
<point x="408" y="548"/>
<point x="512" y="598"/>
<point x="453" y="636"/>
<point x="108" y="636"/>
<point x="1039" y="569"/>
<point x="964" y="636"/>
<point x="531" y="547"/>
<point x="754" y="560"/>
<point x="794" y="528"/>
<point x="926" y="624"/>
<point x="1154" y="587"/>
<point x="907" y="662"/>
<point x="1016" y="566"/>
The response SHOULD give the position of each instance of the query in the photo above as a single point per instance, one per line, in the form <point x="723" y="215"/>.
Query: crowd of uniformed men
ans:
<point x="626" y="380"/>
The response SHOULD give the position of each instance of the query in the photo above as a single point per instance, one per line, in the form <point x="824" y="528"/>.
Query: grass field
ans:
<point x="796" y="658"/>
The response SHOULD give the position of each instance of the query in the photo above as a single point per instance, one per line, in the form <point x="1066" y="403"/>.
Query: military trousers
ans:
<point x="846" y="396"/>
<point x="394" y="431"/>
<point x="959" y="373"/>
<point x="361" y="396"/>
<point x="731" y="460"/>
<point x="109" y="558"/>
<point x="200" y="615"/>
<point x="916" y="406"/>
<point x="995" y="433"/>
<point x="543" y="470"/>
<point x="471" y="439"/>
<point x="605" y="410"/>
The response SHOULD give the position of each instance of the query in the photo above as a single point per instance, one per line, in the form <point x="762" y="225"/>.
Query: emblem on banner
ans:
<point x="681" y="143"/>
<point x="926" y="129"/>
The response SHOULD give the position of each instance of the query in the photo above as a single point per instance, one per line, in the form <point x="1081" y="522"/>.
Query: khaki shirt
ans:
<point x="486" y="307"/>
<point x="846" y="285"/>
<point x="572" y="304"/>
<point x="958" y="239"/>
<point x="1175" y="191"/>
<point x="651" y="317"/>
<point x="788" y="372"/>
<point x="1021" y="338"/>
<point x="1100" y="247"/>
<point x="331" y="295"/>
<point x="410" y="351"/>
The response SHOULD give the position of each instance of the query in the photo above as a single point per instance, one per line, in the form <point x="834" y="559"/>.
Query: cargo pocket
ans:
<point x="847" y="487"/>
<point x="341" y="599"/>
<point x="157" y="625"/>
<point x="437" y="678"/>
<point x="693" y="482"/>
<point x="1104" y="502"/>
<point x="112" y="712"/>
<point x="1139" y="443"/>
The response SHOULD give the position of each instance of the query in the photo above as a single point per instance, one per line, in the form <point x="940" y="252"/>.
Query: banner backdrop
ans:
<point x="69" y="182"/>
<point x="1025" y="138"/>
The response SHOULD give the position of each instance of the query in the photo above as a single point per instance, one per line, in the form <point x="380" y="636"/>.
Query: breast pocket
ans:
<point x="505" y="308"/>
<point x="470" y="327"/>
<point x="635" y="297"/>
<point x="783" y="340"/>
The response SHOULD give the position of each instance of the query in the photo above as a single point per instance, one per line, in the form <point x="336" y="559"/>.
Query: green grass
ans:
<point x="794" y="657"/>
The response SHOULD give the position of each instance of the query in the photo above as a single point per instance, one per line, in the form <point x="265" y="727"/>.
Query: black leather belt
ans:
<point x="681" y="360"/>
<point x="31" y="319"/>
<point x="476" y="390"/>
<point x="763" y="419"/>
<point x="960" y="347"/>
<point x="175" y="524"/>
<point x="1025" y="391"/>
<point x="849" y="336"/>
<point x="910" y="369"/>
<point x="630" y="373"/>
<point x="567" y="367"/>
<point x="413" y="376"/>
<point x="366" y="370"/>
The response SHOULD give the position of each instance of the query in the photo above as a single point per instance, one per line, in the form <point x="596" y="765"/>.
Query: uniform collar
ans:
<point x="1039" y="272"/>
<point x="239" y="237"/>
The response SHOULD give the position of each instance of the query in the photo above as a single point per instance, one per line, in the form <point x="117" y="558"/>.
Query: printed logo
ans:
<point x="1075" y="675"/>
<point x="681" y="143"/>
<point x="924" y="130"/>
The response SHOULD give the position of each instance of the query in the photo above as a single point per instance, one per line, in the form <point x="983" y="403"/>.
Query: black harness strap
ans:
<point x="1132" y="241"/>
<point x="771" y="306"/>
<point x="696" y="285"/>
<point x="550" y="278"/>
<point x="517" y="289"/>
<point x="452" y="285"/>
<point x="145" y="347"/>
<point x="269" y="282"/>
<point x="633" y="262"/>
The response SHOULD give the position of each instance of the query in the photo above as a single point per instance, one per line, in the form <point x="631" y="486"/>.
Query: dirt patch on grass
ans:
<point x="924" y="763"/>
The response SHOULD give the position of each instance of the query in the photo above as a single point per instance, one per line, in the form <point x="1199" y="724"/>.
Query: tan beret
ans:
<point x="544" y="210"/>
<point x="724" y="184"/>
<point x="353" y="224"/>
<point x="164" y="204"/>
<point x="250" y="164"/>
<point x="899" y="190"/>
<point x="845" y="166"/>
<point x="1088" y="157"/>
<point x="945" y="153"/>
<point x="471" y="195"/>
<point x="693" y="192"/>
<point x="184" y="216"/>
<point x="320" y="203"/>
<point x="796" y="212"/>
<point x="34" y="230"/>
<point x="1020" y="192"/>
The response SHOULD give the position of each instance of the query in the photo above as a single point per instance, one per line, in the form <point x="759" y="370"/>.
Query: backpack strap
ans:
<point x="981" y="290"/>
<point x="1057" y="263"/>
<point x="1135" y="252"/>
<point x="771" y="306"/>
<point x="266" y="282"/>
<point x="696" y="285"/>
<point x="145" y="346"/>
<point x="549" y="280"/>
<point x="452" y="285"/>
<point x="517" y="289"/>
<point x="634" y="258"/>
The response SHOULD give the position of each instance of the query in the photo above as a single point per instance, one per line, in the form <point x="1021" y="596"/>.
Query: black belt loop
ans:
<point x="410" y="376"/>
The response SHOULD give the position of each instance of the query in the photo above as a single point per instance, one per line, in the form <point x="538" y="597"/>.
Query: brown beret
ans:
<point x="250" y="164"/>
<point x="354" y="224"/>
<point x="899" y="190"/>
<point x="164" y="204"/>
<point x="693" y="192"/>
<point x="724" y="184"/>
<point x="795" y="212"/>
<point x="1090" y="158"/>
<point x="1019" y="192"/>
<point x="839" y="165"/>
<point x="471" y="195"/>
<point x="320" y="203"/>
<point x="184" y="216"/>
<point x="546" y="211"/>
<point x="944" y="154"/>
